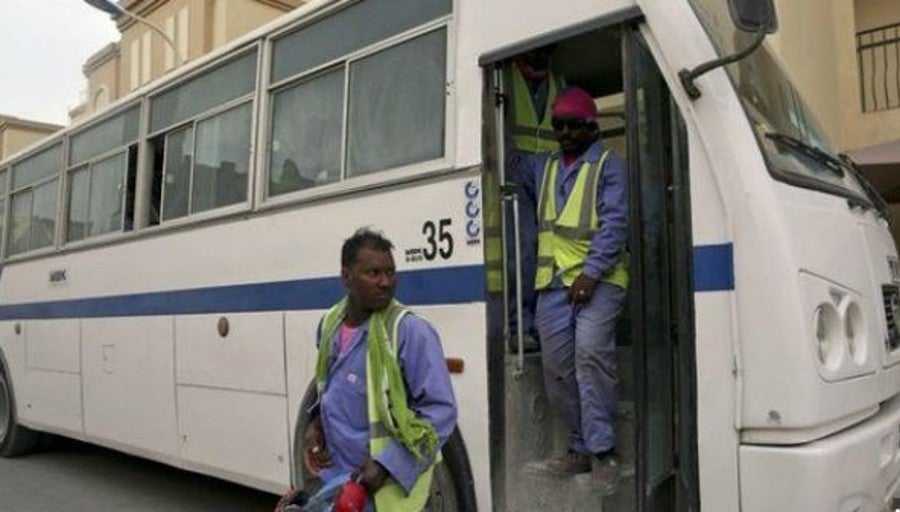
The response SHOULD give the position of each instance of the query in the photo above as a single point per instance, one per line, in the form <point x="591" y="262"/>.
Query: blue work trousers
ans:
<point x="578" y="351"/>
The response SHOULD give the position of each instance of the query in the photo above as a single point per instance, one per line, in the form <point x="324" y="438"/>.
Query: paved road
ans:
<point x="75" y="477"/>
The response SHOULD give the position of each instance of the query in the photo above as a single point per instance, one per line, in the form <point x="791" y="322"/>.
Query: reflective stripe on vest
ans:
<point x="491" y="234"/>
<point x="564" y="239"/>
<point x="391" y="497"/>
<point x="528" y="133"/>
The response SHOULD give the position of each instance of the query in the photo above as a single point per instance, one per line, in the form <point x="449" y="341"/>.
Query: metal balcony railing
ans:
<point x="878" y="53"/>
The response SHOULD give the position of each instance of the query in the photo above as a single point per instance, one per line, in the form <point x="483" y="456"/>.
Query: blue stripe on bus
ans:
<point x="713" y="268"/>
<point x="713" y="271"/>
<point x="447" y="285"/>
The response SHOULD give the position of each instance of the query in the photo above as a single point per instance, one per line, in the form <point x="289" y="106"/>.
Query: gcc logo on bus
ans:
<point x="473" y="209"/>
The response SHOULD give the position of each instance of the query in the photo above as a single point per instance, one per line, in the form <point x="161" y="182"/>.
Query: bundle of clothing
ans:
<point x="340" y="494"/>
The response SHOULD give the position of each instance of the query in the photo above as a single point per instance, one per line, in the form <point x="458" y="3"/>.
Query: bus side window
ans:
<point x="130" y="183"/>
<point x="157" y="150"/>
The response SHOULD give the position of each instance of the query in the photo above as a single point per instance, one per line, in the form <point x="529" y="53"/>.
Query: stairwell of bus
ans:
<point x="604" y="62"/>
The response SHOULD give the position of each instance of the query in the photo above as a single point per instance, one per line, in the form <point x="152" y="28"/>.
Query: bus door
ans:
<point x="661" y="286"/>
<point x="655" y="427"/>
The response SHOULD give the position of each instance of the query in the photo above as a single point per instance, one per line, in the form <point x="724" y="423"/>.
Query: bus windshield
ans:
<point x="792" y="142"/>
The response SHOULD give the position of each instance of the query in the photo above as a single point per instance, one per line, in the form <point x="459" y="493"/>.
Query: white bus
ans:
<point x="165" y="263"/>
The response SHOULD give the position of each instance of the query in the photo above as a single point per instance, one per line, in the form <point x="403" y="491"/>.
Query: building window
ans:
<point x="878" y="56"/>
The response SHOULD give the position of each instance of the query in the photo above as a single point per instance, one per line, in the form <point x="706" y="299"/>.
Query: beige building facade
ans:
<point x="17" y="134"/>
<point x="196" y="27"/>
<point x="844" y="57"/>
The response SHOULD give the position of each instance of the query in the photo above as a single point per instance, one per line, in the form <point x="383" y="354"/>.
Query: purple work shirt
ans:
<point x="344" y="410"/>
<point x="612" y="207"/>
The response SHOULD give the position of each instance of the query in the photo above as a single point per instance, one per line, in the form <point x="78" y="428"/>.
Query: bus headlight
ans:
<point x="855" y="332"/>
<point x="842" y="337"/>
<point x="830" y="336"/>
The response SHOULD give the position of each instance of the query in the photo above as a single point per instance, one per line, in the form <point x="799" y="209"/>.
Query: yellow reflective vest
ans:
<point x="565" y="239"/>
<point x="530" y="133"/>
<point x="493" y="239"/>
<point x="392" y="496"/>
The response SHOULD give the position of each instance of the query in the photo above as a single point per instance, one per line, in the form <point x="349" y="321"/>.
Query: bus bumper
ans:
<point x="855" y="470"/>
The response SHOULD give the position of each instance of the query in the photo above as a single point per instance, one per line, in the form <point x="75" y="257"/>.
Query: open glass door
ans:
<point x="662" y="298"/>
<point x="654" y="424"/>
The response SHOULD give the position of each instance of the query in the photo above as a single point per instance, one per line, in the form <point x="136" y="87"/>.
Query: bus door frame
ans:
<point x="680" y="298"/>
<point x="678" y="490"/>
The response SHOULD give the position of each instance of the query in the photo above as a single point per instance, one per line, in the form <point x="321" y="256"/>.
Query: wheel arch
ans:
<point x="17" y="439"/>
<point x="4" y="372"/>
<point x="298" y="480"/>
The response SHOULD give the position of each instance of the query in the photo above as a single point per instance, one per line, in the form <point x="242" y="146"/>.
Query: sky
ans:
<point x="43" y="44"/>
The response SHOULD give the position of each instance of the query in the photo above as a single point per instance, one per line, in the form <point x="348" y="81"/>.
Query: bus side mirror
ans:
<point x="754" y="15"/>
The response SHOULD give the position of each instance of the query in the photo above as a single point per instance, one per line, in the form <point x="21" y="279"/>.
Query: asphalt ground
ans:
<point x="76" y="477"/>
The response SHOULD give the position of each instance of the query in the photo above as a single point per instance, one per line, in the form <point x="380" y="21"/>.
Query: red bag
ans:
<point x="352" y="498"/>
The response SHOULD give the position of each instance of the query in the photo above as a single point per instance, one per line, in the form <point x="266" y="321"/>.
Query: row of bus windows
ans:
<point x="393" y="104"/>
<point x="359" y="114"/>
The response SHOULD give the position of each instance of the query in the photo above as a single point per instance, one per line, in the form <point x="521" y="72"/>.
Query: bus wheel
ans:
<point x="14" y="438"/>
<point x="442" y="497"/>
<point x="452" y="488"/>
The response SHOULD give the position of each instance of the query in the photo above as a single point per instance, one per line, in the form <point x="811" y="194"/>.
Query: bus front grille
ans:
<point x="891" y="312"/>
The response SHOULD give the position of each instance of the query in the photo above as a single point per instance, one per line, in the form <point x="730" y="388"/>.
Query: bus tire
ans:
<point x="452" y="488"/>
<point x="14" y="438"/>
<point x="299" y="477"/>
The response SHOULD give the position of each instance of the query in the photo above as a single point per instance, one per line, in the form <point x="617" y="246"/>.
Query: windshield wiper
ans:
<point x="832" y="163"/>
<point x="881" y="205"/>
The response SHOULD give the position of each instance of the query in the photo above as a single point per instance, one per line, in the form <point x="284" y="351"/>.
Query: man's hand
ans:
<point x="315" y="456"/>
<point x="582" y="290"/>
<point x="372" y="476"/>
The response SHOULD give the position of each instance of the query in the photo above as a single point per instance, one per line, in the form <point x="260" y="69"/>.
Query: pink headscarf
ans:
<point x="574" y="102"/>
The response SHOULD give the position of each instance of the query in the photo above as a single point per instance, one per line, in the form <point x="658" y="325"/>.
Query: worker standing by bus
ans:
<point x="531" y="87"/>
<point x="581" y="278"/>
<point x="391" y="439"/>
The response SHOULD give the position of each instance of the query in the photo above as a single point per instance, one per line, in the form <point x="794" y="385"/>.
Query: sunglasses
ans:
<point x="572" y="123"/>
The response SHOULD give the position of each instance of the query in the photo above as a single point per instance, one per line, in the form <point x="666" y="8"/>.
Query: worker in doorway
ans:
<point x="531" y="88"/>
<point x="582" y="275"/>
<point x="386" y="406"/>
